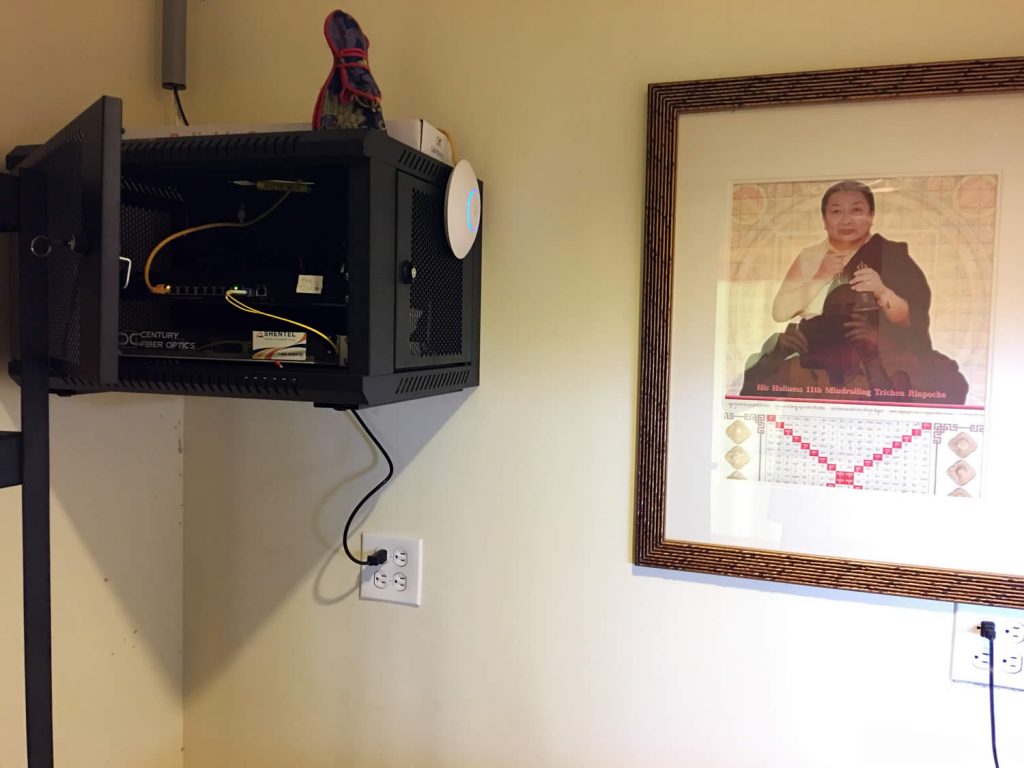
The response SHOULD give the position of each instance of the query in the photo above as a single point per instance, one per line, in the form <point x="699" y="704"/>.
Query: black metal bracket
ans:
<point x="10" y="459"/>
<point x="10" y="442"/>
<point x="8" y="203"/>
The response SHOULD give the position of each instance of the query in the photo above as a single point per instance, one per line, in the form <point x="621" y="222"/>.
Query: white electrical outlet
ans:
<point x="400" y="579"/>
<point x="970" y="649"/>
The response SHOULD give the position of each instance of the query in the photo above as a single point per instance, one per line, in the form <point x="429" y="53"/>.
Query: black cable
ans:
<point x="177" y="100"/>
<point x="376" y="558"/>
<point x="988" y="629"/>
<point x="992" y="697"/>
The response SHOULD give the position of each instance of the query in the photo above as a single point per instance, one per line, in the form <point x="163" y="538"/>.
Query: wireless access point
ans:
<point x="462" y="209"/>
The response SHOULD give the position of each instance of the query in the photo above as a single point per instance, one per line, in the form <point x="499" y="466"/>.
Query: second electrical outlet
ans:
<point x="970" y="650"/>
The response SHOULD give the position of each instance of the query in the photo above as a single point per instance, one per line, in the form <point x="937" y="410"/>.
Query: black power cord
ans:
<point x="177" y="100"/>
<point x="381" y="555"/>
<point x="988" y="630"/>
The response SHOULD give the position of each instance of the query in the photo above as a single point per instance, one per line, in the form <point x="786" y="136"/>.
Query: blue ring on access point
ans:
<point x="469" y="212"/>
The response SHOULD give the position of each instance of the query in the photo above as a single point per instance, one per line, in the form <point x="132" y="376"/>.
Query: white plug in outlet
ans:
<point x="970" y="649"/>
<point x="400" y="579"/>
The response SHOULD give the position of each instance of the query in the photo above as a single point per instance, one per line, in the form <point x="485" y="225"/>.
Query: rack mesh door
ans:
<point x="81" y="166"/>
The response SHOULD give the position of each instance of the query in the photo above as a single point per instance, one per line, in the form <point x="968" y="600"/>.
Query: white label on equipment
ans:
<point x="310" y="284"/>
<point x="279" y="345"/>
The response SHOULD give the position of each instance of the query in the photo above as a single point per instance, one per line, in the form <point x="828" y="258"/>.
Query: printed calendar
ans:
<point x="920" y="451"/>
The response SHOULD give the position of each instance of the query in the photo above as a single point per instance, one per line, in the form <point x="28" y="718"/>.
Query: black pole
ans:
<point x="33" y="324"/>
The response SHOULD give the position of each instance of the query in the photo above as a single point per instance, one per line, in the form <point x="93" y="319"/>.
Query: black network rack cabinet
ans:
<point x="352" y="246"/>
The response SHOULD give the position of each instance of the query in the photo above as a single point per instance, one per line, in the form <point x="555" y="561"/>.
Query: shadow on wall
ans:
<point x="269" y="488"/>
<point x="115" y="471"/>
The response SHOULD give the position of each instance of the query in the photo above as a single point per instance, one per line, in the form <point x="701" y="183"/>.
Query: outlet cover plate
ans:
<point x="969" y="644"/>
<point x="400" y="579"/>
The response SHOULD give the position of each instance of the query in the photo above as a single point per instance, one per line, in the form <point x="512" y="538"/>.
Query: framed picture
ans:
<point x="831" y="330"/>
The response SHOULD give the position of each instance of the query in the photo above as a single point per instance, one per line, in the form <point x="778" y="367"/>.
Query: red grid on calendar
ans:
<point x="857" y="454"/>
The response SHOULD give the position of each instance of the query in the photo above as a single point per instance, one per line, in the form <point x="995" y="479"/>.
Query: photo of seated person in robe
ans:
<point x="851" y="353"/>
<point x="857" y="312"/>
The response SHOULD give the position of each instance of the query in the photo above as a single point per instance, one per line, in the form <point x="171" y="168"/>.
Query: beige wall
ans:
<point x="116" y="462"/>
<point x="537" y="643"/>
